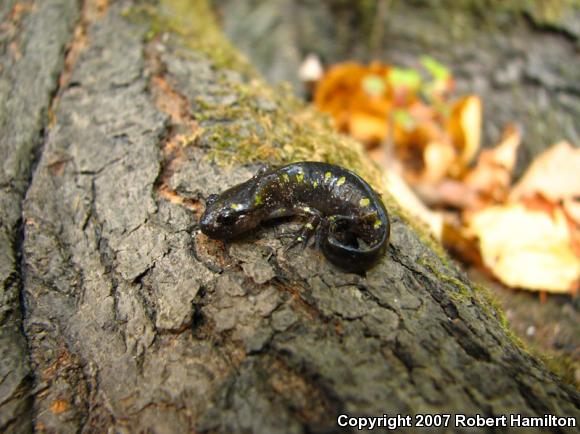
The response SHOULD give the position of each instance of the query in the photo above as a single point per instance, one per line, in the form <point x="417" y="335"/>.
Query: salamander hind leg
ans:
<point x="305" y="233"/>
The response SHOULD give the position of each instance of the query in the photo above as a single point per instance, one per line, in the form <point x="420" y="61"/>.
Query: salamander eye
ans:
<point x="228" y="219"/>
<point x="261" y="171"/>
<point x="211" y="199"/>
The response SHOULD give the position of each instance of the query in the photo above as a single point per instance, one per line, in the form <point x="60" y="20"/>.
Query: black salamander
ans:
<point x="349" y="217"/>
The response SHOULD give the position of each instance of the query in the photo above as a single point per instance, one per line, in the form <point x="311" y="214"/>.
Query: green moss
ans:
<point x="261" y="125"/>
<point x="563" y="366"/>
<point x="194" y="24"/>
<point x="463" y="291"/>
<point x="482" y="295"/>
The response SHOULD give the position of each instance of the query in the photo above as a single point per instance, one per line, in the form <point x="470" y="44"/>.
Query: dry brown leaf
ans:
<point x="464" y="127"/>
<point x="405" y="196"/>
<point x="431" y="150"/>
<point x="506" y="152"/>
<point x="357" y="97"/>
<point x="526" y="248"/>
<point x="555" y="174"/>
<point x="572" y="208"/>
<point x="448" y="193"/>
<point x="410" y="148"/>
<point x="492" y="176"/>
<point x="437" y="157"/>
<point x="367" y="128"/>
<point x="460" y="243"/>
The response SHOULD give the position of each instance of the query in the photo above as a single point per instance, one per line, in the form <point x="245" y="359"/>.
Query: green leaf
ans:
<point x="439" y="71"/>
<point x="407" y="78"/>
<point x="403" y="118"/>
<point x="374" y="85"/>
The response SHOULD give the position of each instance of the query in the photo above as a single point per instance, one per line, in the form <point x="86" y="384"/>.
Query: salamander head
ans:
<point x="232" y="212"/>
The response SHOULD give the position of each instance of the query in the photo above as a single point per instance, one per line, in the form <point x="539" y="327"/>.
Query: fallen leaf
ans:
<point x="437" y="157"/>
<point x="367" y="128"/>
<point x="492" y="175"/>
<point x="464" y="127"/>
<point x="358" y="98"/>
<point x="405" y="196"/>
<point x="526" y="248"/>
<point x="572" y="208"/>
<point x="410" y="145"/>
<point x="448" y="193"/>
<point x="555" y="174"/>
<point x="460" y="243"/>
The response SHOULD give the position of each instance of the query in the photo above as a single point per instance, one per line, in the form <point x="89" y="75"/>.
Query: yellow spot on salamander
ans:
<point x="307" y="209"/>
<point x="315" y="183"/>
<point x="258" y="200"/>
<point x="285" y="177"/>
<point x="377" y="224"/>
<point x="299" y="177"/>
<point x="327" y="175"/>
<point x="341" y="181"/>
<point x="309" y="226"/>
<point x="299" y="239"/>
<point x="364" y="202"/>
<point x="236" y="206"/>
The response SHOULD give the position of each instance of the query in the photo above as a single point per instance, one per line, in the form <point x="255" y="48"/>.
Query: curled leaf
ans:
<point x="358" y="98"/>
<point x="367" y="127"/>
<point x="492" y="176"/>
<point x="555" y="174"/>
<point x="464" y="127"/>
<point x="526" y="248"/>
<point x="437" y="157"/>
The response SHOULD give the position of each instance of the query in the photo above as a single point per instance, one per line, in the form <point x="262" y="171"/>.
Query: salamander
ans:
<point x="348" y="216"/>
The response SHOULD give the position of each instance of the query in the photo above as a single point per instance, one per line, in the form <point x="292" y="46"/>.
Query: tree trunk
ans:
<point x="119" y="316"/>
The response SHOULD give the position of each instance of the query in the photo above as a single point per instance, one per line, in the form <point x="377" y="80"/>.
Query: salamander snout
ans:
<point x="209" y="225"/>
<point x="217" y="223"/>
<point x="225" y="219"/>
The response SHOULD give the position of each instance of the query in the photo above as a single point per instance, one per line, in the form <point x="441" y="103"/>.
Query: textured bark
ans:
<point x="30" y="64"/>
<point x="120" y="316"/>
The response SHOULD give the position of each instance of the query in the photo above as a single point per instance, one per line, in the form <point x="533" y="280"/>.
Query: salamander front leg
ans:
<point x="304" y="234"/>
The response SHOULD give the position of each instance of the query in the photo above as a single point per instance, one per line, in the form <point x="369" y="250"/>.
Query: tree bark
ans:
<point x="119" y="316"/>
